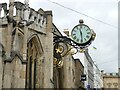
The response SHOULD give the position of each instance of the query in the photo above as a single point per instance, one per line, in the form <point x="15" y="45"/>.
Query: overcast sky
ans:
<point x="106" y="41"/>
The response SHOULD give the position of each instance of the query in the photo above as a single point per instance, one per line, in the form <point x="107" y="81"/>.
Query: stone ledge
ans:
<point x="13" y="55"/>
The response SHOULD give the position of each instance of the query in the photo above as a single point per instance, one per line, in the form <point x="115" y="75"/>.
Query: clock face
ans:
<point x="81" y="34"/>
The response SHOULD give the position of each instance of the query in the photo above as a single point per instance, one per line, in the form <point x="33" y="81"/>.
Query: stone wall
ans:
<point x="25" y="34"/>
<point x="79" y="71"/>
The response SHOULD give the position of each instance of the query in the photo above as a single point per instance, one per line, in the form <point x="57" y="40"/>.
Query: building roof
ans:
<point x="79" y="62"/>
<point x="110" y="75"/>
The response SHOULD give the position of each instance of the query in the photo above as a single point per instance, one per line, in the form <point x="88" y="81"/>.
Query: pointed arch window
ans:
<point x="31" y="66"/>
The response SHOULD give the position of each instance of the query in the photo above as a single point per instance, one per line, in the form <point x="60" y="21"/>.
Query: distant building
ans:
<point x="79" y="72"/>
<point x="88" y="70"/>
<point x="98" y="82"/>
<point x="91" y="70"/>
<point x="111" y="81"/>
<point x="93" y="73"/>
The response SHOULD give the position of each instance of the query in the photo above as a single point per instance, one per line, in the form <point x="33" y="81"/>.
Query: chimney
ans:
<point x="102" y="72"/>
<point x="66" y="31"/>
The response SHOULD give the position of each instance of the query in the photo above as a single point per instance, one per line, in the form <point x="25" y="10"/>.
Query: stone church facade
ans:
<point x="27" y="50"/>
<point x="26" y="47"/>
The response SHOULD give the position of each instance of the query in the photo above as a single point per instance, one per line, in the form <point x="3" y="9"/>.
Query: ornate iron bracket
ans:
<point x="69" y="41"/>
<point x="62" y="45"/>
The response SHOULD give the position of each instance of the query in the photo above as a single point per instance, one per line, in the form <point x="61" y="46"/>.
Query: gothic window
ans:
<point x="34" y="75"/>
<point x="32" y="56"/>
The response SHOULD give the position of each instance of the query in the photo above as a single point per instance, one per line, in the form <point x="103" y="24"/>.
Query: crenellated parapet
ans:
<point x="3" y="6"/>
<point x="24" y="15"/>
<point x="26" y="40"/>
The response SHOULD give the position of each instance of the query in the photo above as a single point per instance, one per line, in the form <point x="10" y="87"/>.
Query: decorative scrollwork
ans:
<point x="57" y="63"/>
<point x="68" y="41"/>
<point x="62" y="45"/>
<point x="60" y="49"/>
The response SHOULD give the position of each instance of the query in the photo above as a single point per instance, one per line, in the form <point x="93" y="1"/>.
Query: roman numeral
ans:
<point x="73" y="31"/>
<point x="73" y="34"/>
<point x="74" y="37"/>
<point x="87" y="36"/>
<point x="81" y="40"/>
<point x="77" y="40"/>
<point x="85" y="39"/>
<point x="88" y="32"/>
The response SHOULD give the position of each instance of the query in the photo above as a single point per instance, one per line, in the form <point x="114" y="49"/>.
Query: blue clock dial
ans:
<point x="81" y="34"/>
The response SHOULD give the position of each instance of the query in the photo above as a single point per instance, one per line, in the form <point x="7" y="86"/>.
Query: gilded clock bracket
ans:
<point x="63" y="44"/>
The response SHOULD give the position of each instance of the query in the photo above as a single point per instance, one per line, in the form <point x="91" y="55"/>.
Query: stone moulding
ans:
<point x="13" y="55"/>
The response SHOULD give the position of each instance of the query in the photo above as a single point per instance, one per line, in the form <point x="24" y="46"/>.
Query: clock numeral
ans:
<point x="87" y="36"/>
<point x="87" y="29"/>
<point x="77" y="40"/>
<point x="74" y="37"/>
<point x="85" y="39"/>
<point x="88" y="32"/>
<point x="81" y="40"/>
